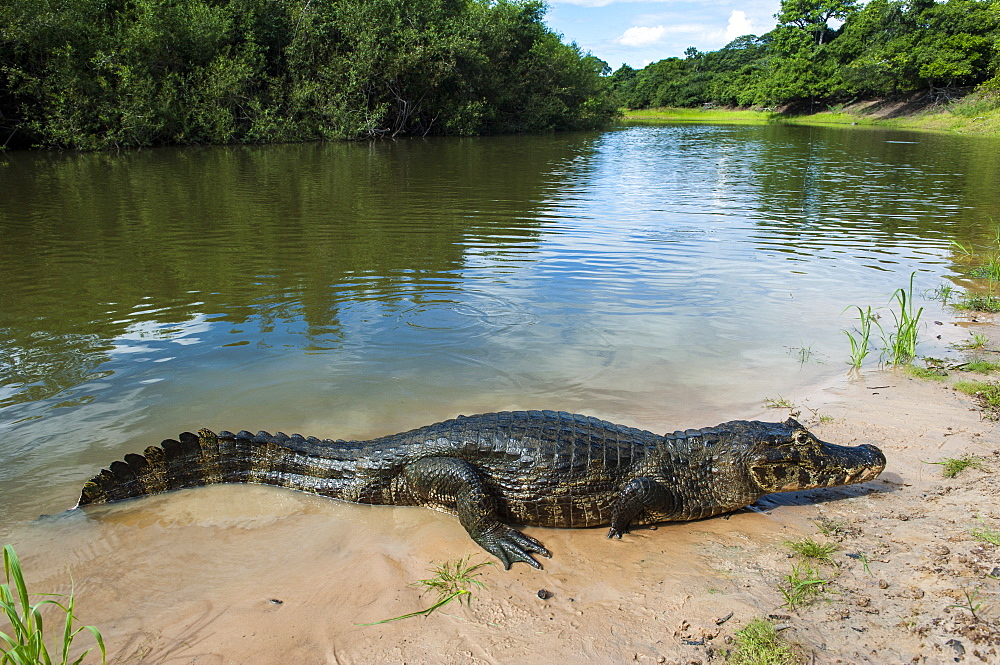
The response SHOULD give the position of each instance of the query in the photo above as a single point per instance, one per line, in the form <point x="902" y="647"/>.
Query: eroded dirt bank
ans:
<point x="232" y="574"/>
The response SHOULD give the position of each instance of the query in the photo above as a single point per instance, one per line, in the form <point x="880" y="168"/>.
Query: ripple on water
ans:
<point x="487" y="314"/>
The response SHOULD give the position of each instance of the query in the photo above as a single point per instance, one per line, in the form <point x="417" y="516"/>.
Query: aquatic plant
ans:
<point x="979" y="303"/>
<point x="988" y="269"/>
<point x="26" y="646"/>
<point x="805" y="354"/>
<point x="944" y="293"/>
<point x="901" y="343"/>
<point x="975" y="341"/>
<point x="859" y="344"/>
<point x="964" y="250"/>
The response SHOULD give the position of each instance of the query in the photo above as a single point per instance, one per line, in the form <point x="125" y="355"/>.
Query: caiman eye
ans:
<point x="801" y="437"/>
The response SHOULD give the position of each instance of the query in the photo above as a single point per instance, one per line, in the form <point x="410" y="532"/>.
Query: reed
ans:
<point x="901" y="343"/>
<point x="26" y="646"/>
<point x="860" y="345"/>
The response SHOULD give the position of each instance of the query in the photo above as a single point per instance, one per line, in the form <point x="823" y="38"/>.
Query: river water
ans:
<point x="660" y="276"/>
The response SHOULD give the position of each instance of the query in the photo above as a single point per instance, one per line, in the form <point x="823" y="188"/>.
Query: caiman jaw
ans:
<point x="815" y="466"/>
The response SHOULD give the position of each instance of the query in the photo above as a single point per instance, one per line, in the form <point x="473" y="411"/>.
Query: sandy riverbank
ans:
<point x="233" y="574"/>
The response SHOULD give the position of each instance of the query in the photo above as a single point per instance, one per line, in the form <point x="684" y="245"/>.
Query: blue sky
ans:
<point x="638" y="32"/>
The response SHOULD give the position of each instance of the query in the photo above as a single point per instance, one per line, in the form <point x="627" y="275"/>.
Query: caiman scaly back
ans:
<point x="536" y="468"/>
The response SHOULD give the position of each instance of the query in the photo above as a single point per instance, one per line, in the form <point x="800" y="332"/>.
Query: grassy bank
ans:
<point x="972" y="115"/>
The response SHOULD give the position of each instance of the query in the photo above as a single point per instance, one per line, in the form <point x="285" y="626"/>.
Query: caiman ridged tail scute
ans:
<point x="207" y="458"/>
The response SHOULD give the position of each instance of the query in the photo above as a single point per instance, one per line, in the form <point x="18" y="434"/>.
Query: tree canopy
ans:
<point x="93" y="74"/>
<point x="833" y="49"/>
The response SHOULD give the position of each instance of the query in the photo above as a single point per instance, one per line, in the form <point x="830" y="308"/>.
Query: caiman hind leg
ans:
<point x="454" y="482"/>
<point x="641" y="494"/>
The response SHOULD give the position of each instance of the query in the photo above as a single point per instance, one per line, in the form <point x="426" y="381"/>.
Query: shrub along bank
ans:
<point x="93" y="74"/>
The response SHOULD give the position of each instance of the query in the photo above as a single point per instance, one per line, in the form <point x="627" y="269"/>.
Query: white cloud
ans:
<point x="686" y="29"/>
<point x="642" y="36"/>
<point x="739" y="25"/>
<point x="596" y="3"/>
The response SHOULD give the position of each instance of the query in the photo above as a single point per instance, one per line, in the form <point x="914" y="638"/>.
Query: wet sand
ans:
<point x="238" y="574"/>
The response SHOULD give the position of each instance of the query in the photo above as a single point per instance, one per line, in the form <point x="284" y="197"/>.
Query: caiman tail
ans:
<point x="207" y="458"/>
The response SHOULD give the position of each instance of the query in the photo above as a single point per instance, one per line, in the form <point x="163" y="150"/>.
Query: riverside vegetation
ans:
<point x="26" y="643"/>
<point x="96" y="74"/>
<point x="837" y="51"/>
<point x="899" y="343"/>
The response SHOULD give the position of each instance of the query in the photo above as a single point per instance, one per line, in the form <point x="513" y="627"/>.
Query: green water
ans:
<point x="659" y="276"/>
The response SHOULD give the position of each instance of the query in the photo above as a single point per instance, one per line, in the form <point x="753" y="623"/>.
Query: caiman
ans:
<point x="534" y="468"/>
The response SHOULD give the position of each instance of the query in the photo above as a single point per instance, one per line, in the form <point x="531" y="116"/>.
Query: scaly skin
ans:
<point x="537" y="468"/>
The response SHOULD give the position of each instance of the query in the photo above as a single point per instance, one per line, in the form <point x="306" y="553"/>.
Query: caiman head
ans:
<point x="787" y="457"/>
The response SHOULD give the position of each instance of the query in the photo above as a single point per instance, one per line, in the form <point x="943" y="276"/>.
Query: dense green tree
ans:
<point x="886" y="47"/>
<point x="103" y="73"/>
<point x="872" y="48"/>
<point x="956" y="43"/>
<point x="814" y="15"/>
<point x="739" y="69"/>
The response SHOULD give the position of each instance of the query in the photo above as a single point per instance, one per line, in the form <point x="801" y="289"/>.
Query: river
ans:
<point x="661" y="276"/>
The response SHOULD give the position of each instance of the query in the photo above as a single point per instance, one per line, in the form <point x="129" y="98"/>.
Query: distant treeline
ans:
<point x="885" y="48"/>
<point x="94" y="74"/>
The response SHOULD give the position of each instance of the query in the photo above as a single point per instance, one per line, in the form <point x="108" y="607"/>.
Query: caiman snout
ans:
<point x="833" y="465"/>
<point x="871" y="464"/>
<point x="803" y="462"/>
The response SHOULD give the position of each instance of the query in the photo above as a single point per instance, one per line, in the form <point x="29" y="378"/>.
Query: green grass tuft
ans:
<point x="990" y="271"/>
<point x="812" y="549"/>
<point x="760" y="644"/>
<point x="973" y="602"/>
<point x="26" y="644"/>
<point x="830" y="527"/>
<point x="951" y="466"/>
<point x="802" y="586"/>
<point x="975" y="341"/>
<point x="925" y="373"/>
<point x="981" y="366"/>
<point x="986" y="394"/>
<point x="985" y="533"/>
<point x="451" y="580"/>
<point x="979" y="303"/>
<point x="778" y="402"/>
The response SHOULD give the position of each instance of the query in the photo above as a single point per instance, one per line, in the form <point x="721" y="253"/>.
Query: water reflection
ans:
<point x="274" y="241"/>
<point x="658" y="276"/>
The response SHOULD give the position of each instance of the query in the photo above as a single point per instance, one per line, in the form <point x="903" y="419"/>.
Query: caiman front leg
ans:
<point x="639" y="495"/>
<point x="451" y="481"/>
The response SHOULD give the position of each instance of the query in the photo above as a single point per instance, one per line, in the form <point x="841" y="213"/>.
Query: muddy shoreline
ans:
<point x="235" y="574"/>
